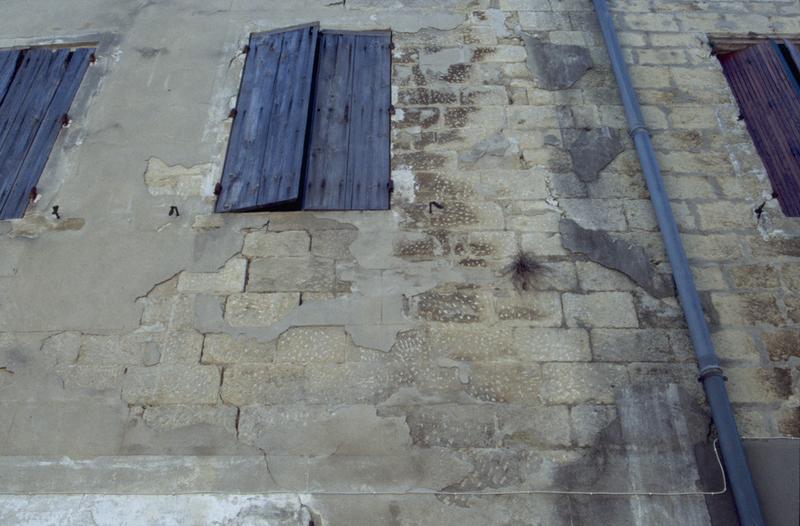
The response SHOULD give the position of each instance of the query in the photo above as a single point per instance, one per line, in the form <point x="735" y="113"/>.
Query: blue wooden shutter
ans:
<point x="348" y="151"/>
<point x="36" y="90"/>
<point x="263" y="166"/>
<point x="769" y="100"/>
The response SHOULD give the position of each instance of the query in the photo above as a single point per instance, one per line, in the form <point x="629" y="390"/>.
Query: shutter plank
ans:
<point x="348" y="151"/>
<point x="368" y="154"/>
<point x="20" y="88"/>
<point x="766" y="93"/>
<point x="8" y="66"/>
<point x="283" y="161"/>
<point x="326" y="176"/>
<point x="261" y="171"/>
<point x="34" y="162"/>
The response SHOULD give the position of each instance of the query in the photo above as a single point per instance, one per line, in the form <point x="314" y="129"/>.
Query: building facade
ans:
<point x="508" y="326"/>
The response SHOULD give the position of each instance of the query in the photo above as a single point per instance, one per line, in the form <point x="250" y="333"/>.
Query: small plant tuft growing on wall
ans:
<point x="523" y="269"/>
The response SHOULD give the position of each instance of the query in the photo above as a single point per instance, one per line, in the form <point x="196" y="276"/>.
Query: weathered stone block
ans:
<point x="291" y="274"/>
<point x="505" y="382"/>
<point x="543" y="244"/>
<point x="460" y="306"/>
<point x="227" y="349"/>
<point x="600" y="309"/>
<point x="230" y="279"/>
<point x="259" y="310"/>
<point x="726" y="215"/>
<point x="735" y="345"/>
<point x="178" y="416"/>
<point x="349" y="383"/>
<point x="333" y="243"/>
<point x="276" y="244"/>
<point x="303" y="345"/>
<point x="746" y="309"/>
<point x="263" y="384"/>
<point x="552" y="345"/>
<point x="174" y="346"/>
<point x="535" y="309"/>
<point x="171" y="384"/>
<point x="712" y="247"/>
<point x="113" y="349"/>
<point x="632" y="345"/>
<point x="594" y="214"/>
<point x="782" y="345"/>
<point x="578" y="383"/>
<point x="306" y="430"/>
<point x="453" y="426"/>
<point x="466" y="344"/>
<point x="752" y="385"/>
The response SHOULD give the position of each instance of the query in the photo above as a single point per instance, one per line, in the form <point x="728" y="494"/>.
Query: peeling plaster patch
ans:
<point x="404" y="184"/>
<point x="33" y="225"/>
<point x="162" y="179"/>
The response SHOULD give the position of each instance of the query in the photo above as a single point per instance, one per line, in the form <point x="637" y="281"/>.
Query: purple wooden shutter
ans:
<point x="36" y="89"/>
<point x="263" y="166"/>
<point x="348" y="165"/>
<point x="767" y="91"/>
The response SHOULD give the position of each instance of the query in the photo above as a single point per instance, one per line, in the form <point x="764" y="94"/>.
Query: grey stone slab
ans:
<point x="592" y="150"/>
<point x="555" y="66"/>
<point x="617" y="254"/>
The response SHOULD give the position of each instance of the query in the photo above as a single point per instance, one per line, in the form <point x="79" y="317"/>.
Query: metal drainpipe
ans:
<point x="733" y="454"/>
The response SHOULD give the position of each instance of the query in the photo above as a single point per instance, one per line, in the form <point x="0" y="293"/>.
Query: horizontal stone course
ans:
<point x="171" y="384"/>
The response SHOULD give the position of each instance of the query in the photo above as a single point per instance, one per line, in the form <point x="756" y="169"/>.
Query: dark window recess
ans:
<point x="37" y="86"/>
<point x="764" y="80"/>
<point x="311" y="126"/>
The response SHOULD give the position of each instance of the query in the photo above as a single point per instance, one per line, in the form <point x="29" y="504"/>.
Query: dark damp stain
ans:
<point x="456" y="73"/>
<point x="419" y="76"/>
<point x="479" y="53"/>
<point x="150" y="52"/>
<point x="457" y="117"/>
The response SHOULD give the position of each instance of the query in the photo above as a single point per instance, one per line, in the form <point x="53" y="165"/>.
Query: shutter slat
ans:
<point x="47" y="131"/>
<point x="263" y="166"/>
<point x="348" y="167"/>
<point x="368" y="155"/>
<point x="326" y="174"/>
<point x="8" y="65"/>
<point x="768" y="99"/>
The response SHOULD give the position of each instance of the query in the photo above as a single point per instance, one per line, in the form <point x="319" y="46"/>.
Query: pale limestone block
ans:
<point x="303" y="345"/>
<point x="171" y="384"/>
<point x="225" y="349"/>
<point x="228" y="280"/>
<point x="600" y="309"/>
<point x="552" y="345"/>
<point x="276" y="244"/>
<point x="259" y="310"/>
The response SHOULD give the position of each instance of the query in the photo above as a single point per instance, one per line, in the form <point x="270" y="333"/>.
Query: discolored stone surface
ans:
<point x="617" y="254"/>
<point x="592" y="150"/>
<point x="555" y="66"/>
<point x="368" y="351"/>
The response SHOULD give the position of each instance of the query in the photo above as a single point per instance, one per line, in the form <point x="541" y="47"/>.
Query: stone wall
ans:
<point x="482" y="335"/>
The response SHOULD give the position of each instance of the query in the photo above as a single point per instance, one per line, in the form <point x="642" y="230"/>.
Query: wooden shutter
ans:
<point x="766" y="89"/>
<point x="348" y="151"/>
<point x="263" y="166"/>
<point x="36" y="89"/>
